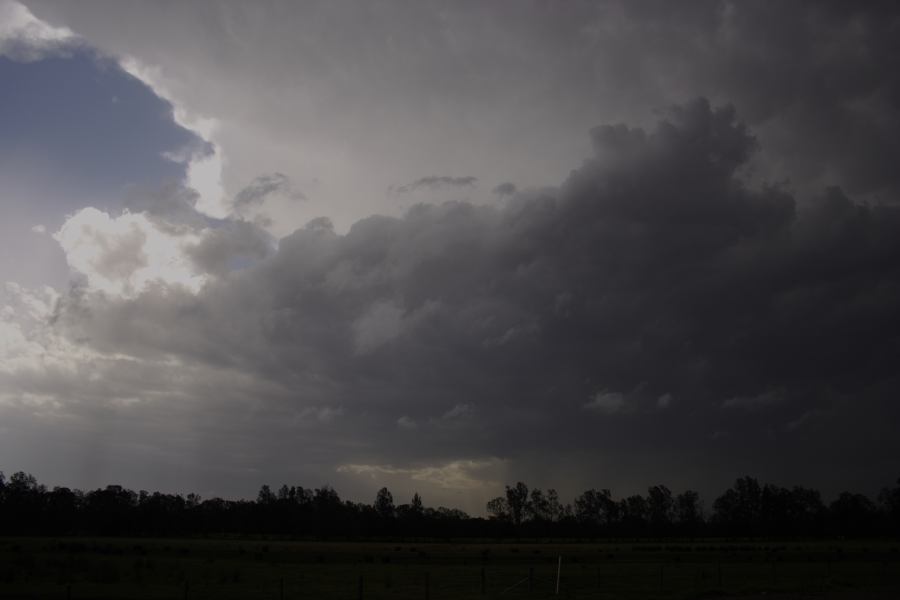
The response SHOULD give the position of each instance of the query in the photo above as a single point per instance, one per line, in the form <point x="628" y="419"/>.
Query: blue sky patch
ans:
<point x="97" y="130"/>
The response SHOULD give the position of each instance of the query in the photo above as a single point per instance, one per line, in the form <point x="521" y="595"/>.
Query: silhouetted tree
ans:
<point x="284" y="493"/>
<point x="748" y="508"/>
<point x="807" y="511"/>
<point x="451" y="514"/>
<point x="538" y="506"/>
<point x="660" y="508"/>
<point x="775" y="509"/>
<point x="23" y="497"/>
<point x="327" y="507"/>
<point x="109" y="510"/>
<point x="889" y="498"/>
<point x="265" y="495"/>
<point x="688" y="512"/>
<point x="597" y="508"/>
<point x="62" y="510"/>
<point x="853" y="514"/>
<point x="517" y="501"/>
<point x="384" y="504"/>
<point x="634" y="514"/>
<point x="415" y="505"/>
<point x="192" y="501"/>
<point x="738" y="510"/>
<point x="411" y="516"/>
<point x="498" y="508"/>
<point x="555" y="509"/>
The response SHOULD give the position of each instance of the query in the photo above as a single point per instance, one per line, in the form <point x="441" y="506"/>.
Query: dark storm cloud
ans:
<point x="435" y="182"/>
<point x="231" y="246"/>
<point x="655" y="300"/>
<point x="505" y="189"/>
<point x="819" y="81"/>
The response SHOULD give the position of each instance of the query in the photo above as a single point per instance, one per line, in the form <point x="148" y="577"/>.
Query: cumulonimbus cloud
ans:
<point x="654" y="267"/>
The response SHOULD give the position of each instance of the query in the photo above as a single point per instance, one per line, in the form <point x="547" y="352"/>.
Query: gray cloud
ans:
<point x="262" y="186"/>
<point x="121" y="256"/>
<point x="230" y="246"/>
<point x="171" y="206"/>
<point x="757" y="402"/>
<point x="676" y="280"/>
<point x="671" y="307"/>
<point x="505" y="189"/>
<point x="435" y="182"/>
<point x="502" y="91"/>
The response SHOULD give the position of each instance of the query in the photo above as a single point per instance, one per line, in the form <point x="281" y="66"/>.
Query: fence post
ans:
<point x="719" y="564"/>
<point x="360" y="595"/>
<point x="531" y="579"/>
<point x="185" y="589"/>
<point x="427" y="585"/>
<point x="661" y="568"/>
<point x="69" y="592"/>
<point x="558" y="572"/>
<point x="483" y="582"/>
<point x="281" y="587"/>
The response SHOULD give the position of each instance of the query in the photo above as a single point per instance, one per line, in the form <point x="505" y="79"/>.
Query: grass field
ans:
<point x="81" y="568"/>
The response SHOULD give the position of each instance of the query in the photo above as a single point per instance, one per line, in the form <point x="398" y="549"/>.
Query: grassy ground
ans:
<point x="222" y="569"/>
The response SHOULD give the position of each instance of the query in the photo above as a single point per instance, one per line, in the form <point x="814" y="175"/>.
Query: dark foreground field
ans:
<point x="175" y="569"/>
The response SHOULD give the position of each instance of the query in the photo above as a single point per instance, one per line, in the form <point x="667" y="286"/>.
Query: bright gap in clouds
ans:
<point x="204" y="170"/>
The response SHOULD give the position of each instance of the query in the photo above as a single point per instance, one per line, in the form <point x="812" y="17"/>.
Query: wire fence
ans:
<point x="542" y="579"/>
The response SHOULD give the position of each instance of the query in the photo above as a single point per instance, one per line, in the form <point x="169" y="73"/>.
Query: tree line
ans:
<point x="747" y="509"/>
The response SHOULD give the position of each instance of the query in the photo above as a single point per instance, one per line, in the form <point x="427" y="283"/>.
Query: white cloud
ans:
<point x="40" y="229"/>
<point x="16" y="349"/>
<point x="26" y="38"/>
<point x="204" y="175"/>
<point x="28" y="342"/>
<point x="204" y="171"/>
<point x="124" y="255"/>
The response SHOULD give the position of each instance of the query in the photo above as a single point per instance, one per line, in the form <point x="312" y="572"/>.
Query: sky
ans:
<point x="446" y="246"/>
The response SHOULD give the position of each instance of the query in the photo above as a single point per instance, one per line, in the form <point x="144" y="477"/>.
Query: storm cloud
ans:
<point x="653" y="271"/>
<point x="694" y="275"/>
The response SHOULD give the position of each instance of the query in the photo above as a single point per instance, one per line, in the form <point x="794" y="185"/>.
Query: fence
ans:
<point x="543" y="579"/>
